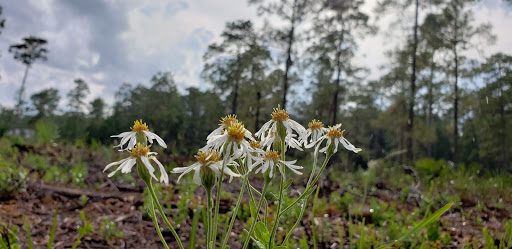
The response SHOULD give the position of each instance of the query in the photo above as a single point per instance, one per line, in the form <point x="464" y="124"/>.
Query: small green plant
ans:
<point x="8" y="238"/>
<point x="46" y="131"/>
<point x="110" y="232"/>
<point x="78" y="174"/>
<point x="13" y="179"/>
<point x="83" y="229"/>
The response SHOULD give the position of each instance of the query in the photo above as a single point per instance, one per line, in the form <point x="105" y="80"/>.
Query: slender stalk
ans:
<point x="301" y="214"/>
<point x="209" y="226"/>
<point x="233" y="216"/>
<point x="304" y="203"/>
<point x="327" y="157"/>
<point x="279" y="204"/>
<point x="155" y="220"/>
<point x="217" y="201"/>
<point x="253" y="225"/>
<point x="153" y="195"/>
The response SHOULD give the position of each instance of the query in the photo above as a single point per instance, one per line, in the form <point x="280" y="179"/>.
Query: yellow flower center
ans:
<point x="236" y="131"/>
<point x="315" y="124"/>
<point x="139" y="150"/>
<point x="272" y="155"/>
<point x="335" y="132"/>
<point x="227" y="120"/>
<point x="202" y="156"/>
<point x="255" y="145"/>
<point x="139" y="126"/>
<point x="279" y="115"/>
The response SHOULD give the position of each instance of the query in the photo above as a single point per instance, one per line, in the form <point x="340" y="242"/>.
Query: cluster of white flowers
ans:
<point x="232" y="141"/>
<point x="139" y="152"/>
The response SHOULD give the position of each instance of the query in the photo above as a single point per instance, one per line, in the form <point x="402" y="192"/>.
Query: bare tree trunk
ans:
<point x="456" y="108"/>
<point x="257" y="118"/>
<point x="503" y="124"/>
<point x="430" y="100"/>
<point x="235" y="98"/>
<point x="289" y="61"/>
<point x="410" y="121"/>
<point x="21" y="91"/>
<point x="334" y="107"/>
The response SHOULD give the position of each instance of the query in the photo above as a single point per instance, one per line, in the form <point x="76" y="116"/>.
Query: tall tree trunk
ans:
<point x="235" y="98"/>
<point x="334" y="107"/>
<point x="289" y="62"/>
<point x="430" y="101"/>
<point x="410" y="121"/>
<point x="456" y="108"/>
<point x="503" y="123"/>
<point x="20" y="94"/>
<point x="257" y="118"/>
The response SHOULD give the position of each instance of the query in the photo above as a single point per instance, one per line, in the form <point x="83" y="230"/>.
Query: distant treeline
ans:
<point x="432" y="101"/>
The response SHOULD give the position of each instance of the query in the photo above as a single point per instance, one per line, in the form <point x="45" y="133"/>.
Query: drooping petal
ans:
<point x="127" y="166"/>
<point x="163" y="175"/>
<point x="348" y="145"/>
<point x="197" y="176"/>
<point x="149" y="167"/>
<point x="115" y="163"/>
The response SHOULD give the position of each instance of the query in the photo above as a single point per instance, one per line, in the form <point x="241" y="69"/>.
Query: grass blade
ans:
<point x="193" y="231"/>
<point x="29" y="238"/>
<point x="52" y="232"/>
<point x="421" y="225"/>
<point x="313" y="217"/>
<point x="361" y="240"/>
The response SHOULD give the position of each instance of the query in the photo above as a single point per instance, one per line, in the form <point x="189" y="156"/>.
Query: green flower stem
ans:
<point x="253" y="225"/>
<point x="209" y="205"/>
<point x="276" y="222"/>
<point x="304" y="203"/>
<point x="327" y="157"/>
<point x="246" y="171"/>
<point x="217" y="202"/>
<point x="153" y="195"/>
<point x="235" y="212"/>
<point x="153" y="216"/>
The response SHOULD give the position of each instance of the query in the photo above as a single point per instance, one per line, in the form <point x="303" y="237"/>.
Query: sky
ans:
<point x="108" y="42"/>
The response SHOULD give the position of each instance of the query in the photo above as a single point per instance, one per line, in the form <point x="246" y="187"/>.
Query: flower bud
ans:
<point x="208" y="177"/>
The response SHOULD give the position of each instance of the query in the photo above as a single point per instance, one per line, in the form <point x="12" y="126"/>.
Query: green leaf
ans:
<point x="274" y="196"/>
<point x="279" y="247"/>
<point x="309" y="191"/>
<point x="261" y="232"/>
<point x="421" y="225"/>
<point x="287" y="184"/>
<point x="258" y="243"/>
<point x="254" y="212"/>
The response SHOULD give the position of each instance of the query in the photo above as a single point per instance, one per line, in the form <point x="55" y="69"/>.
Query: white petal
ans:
<point x="149" y="167"/>
<point x="127" y="167"/>
<point x="349" y="146"/>
<point x="163" y="175"/>
<point x="115" y="163"/>
<point x="197" y="176"/>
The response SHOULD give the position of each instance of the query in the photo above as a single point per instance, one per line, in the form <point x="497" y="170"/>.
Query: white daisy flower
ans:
<point x="130" y="137"/>
<point x="334" y="136"/>
<point x="316" y="130"/>
<point x="209" y="159"/>
<point x="272" y="159"/>
<point x="142" y="153"/>
<point x="255" y="154"/>
<point x="290" y="141"/>
<point x="281" y="117"/>
<point x="232" y="141"/>
<point x="225" y="122"/>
